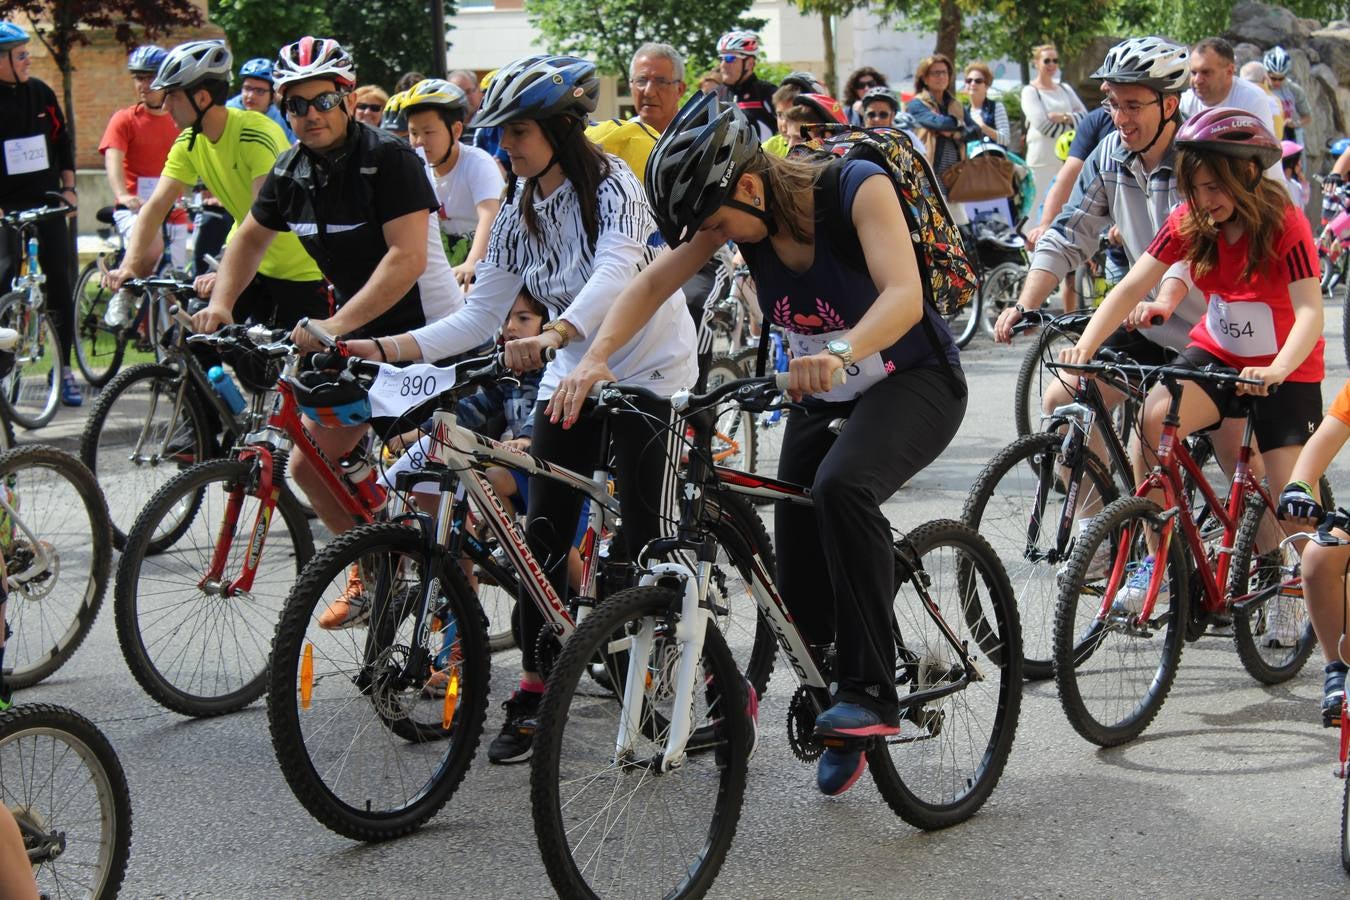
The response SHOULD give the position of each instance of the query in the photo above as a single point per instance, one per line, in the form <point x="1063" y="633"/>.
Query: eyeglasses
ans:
<point x="643" y="83"/>
<point x="869" y="83"/>
<point x="369" y="107"/>
<point x="1277" y="79"/>
<point x="1050" y="61"/>
<point x="21" y="55"/>
<point x="974" y="81"/>
<point x="1129" y="109"/>
<point x="328" y="100"/>
<point x="255" y="90"/>
<point x="937" y="73"/>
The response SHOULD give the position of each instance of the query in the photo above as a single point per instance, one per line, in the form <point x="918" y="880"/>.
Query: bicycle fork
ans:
<point x="267" y="493"/>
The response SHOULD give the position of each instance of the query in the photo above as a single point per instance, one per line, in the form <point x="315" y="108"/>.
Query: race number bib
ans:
<point x="396" y="390"/>
<point x="145" y="187"/>
<point x="1245" y="329"/>
<point x="26" y="154"/>
<point x="862" y="374"/>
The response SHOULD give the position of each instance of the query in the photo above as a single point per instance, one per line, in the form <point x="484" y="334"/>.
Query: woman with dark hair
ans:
<point x="860" y="82"/>
<point x="944" y="124"/>
<point x="848" y="298"/>
<point x="574" y="230"/>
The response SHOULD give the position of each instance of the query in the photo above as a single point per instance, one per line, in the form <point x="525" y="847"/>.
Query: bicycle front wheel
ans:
<point x="951" y="749"/>
<point x="58" y="555"/>
<point x="1033" y="379"/>
<point x="610" y="823"/>
<point x="30" y="393"/>
<point x="62" y="780"/>
<point x="1271" y="630"/>
<point x="1113" y="669"/>
<point x="98" y="346"/>
<point x="195" y="644"/>
<point x="733" y="443"/>
<point x="375" y="725"/>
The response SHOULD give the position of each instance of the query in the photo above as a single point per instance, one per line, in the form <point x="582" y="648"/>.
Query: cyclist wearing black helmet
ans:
<point x="709" y="182"/>
<point x="574" y="230"/>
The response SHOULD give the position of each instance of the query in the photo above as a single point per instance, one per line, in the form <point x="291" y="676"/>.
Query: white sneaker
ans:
<point x="1284" y="621"/>
<point x="121" y="310"/>
<point x="1130" y="598"/>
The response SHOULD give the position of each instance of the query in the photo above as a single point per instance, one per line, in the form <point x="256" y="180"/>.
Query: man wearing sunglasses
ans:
<point x="737" y="52"/>
<point x="231" y="151"/>
<point x="256" y="93"/>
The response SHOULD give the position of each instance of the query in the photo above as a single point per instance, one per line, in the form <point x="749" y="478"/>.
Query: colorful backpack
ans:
<point x="949" y="277"/>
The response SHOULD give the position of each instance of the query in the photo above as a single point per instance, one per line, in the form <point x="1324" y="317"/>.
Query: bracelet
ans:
<point x="380" y="347"/>
<point x="398" y="352"/>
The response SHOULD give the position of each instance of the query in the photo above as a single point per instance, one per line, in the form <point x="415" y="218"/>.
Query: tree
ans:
<point x="257" y="28"/>
<point x="63" y="25"/>
<point x="829" y="10"/>
<point x="610" y="31"/>
<point x="387" y="37"/>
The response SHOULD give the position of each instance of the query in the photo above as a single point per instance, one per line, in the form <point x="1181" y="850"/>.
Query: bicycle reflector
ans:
<point x="331" y="399"/>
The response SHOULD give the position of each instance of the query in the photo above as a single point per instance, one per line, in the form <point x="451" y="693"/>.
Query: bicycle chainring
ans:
<point x="801" y="726"/>
<point x="546" y="650"/>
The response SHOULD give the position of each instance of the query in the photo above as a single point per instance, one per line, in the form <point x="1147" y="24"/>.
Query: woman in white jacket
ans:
<point x="1051" y="109"/>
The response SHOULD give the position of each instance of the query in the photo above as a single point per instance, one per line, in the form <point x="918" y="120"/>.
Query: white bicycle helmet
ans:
<point x="434" y="93"/>
<point x="1151" y="62"/>
<point x="310" y="58"/>
<point x="188" y="65"/>
<point x="1277" y="61"/>
<point x="741" y="43"/>
<point x="881" y="92"/>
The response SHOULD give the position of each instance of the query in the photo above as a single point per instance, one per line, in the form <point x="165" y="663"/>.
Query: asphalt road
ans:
<point x="1230" y="792"/>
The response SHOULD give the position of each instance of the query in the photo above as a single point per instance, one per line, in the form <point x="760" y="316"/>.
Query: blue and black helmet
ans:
<point x="11" y="34"/>
<point x="146" y="59"/>
<point x="257" y="68"/>
<point x="540" y="87"/>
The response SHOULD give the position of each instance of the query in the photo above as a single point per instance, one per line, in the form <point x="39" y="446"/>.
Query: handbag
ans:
<point x="986" y="177"/>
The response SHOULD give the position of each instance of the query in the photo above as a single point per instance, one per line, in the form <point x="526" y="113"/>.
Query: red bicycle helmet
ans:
<point x="822" y="105"/>
<point x="1231" y="132"/>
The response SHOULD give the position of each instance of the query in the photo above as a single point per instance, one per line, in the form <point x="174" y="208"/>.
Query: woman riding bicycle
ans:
<point x="710" y="182"/>
<point x="573" y="229"/>
<point x="1252" y="252"/>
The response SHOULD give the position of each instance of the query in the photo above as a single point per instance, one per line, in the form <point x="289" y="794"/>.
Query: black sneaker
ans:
<point x="516" y="740"/>
<point x="1333" y="694"/>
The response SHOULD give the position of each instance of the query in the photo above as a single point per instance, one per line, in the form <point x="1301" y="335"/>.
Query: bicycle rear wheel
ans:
<point x="999" y="289"/>
<point x="98" y="346"/>
<point x="375" y="727"/>
<point x="610" y="823"/>
<point x="1273" y="632"/>
<point x="193" y="649"/>
<point x="733" y="443"/>
<point x="1114" y="672"/>
<point x="58" y="554"/>
<point x="30" y="393"/>
<point x="62" y="780"/>
<point x="951" y="750"/>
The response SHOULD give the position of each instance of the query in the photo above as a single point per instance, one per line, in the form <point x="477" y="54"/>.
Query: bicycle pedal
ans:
<point x="845" y="743"/>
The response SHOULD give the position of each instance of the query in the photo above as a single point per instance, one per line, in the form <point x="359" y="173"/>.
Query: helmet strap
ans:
<point x="765" y="215"/>
<point x="9" y="55"/>
<point x="1162" y="125"/>
<point x="200" y="114"/>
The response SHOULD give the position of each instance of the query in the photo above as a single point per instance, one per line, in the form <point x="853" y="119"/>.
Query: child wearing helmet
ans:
<point x="1251" y="252"/>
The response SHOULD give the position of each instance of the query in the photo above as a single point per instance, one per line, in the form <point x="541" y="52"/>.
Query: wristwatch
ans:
<point x="565" y="330"/>
<point x="841" y="349"/>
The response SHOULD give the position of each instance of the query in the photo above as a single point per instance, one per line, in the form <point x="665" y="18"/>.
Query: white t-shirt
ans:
<point x="1245" y="96"/>
<point x="475" y="178"/>
<point x="441" y="294"/>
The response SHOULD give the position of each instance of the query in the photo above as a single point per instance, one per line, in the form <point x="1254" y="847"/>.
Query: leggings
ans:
<point x="836" y="569"/>
<point x="644" y="454"/>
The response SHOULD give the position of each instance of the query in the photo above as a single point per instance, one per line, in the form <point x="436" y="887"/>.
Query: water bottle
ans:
<point x="33" y="255"/>
<point x="226" y="388"/>
<point x="364" y="479"/>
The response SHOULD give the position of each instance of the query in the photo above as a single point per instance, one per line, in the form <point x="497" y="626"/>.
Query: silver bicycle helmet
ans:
<point x="1151" y="62"/>
<point x="188" y="65"/>
<point x="1277" y="61"/>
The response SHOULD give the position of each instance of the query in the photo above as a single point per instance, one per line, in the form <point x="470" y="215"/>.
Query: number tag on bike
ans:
<point x="397" y="390"/>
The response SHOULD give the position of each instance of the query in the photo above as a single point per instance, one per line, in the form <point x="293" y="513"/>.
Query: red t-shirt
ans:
<point x="1248" y="319"/>
<point x="145" y="139"/>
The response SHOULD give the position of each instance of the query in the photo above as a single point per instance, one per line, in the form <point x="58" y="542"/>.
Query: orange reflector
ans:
<point x="648" y="683"/>
<point x="307" y="676"/>
<point x="451" y="699"/>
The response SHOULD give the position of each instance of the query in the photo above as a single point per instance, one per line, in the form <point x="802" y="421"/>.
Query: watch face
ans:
<point x="838" y="347"/>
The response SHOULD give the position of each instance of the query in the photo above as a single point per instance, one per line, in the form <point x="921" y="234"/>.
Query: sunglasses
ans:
<point x="974" y="81"/>
<point x="869" y="83"/>
<point x="730" y="57"/>
<point x="1050" y="61"/>
<point x="328" y="100"/>
<point x="1277" y="79"/>
<point x="369" y="107"/>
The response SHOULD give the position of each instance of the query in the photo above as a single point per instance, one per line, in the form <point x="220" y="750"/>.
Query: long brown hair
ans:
<point x="1258" y="206"/>
<point x="790" y="185"/>
<point x="583" y="163"/>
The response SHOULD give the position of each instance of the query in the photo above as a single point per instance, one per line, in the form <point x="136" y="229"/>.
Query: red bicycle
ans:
<point x="195" y="617"/>
<point x="1133" y="590"/>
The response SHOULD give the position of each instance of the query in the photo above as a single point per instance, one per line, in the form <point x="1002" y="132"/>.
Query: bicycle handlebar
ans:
<point x="1035" y="318"/>
<point x="1210" y="373"/>
<point x="39" y="214"/>
<point x="748" y="390"/>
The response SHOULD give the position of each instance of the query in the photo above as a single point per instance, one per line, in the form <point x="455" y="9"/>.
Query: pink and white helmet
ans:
<point x="1230" y="132"/>
<point x="310" y="58"/>
<point x="740" y="43"/>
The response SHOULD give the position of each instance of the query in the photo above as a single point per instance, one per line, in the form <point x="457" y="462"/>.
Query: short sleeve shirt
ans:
<point x="1089" y="133"/>
<point x="1340" y="407"/>
<point x="1248" y="319"/>
<point x="630" y="141"/>
<point x="144" y="139"/>
<point x="248" y="149"/>
<point x="474" y="178"/>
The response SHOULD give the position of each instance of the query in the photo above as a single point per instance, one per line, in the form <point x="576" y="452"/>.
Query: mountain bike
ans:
<point x="1116" y="654"/>
<point x="31" y="391"/>
<point x="375" y="727"/>
<point x="644" y="796"/>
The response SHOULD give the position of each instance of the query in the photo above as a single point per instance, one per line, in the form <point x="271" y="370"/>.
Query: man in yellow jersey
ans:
<point x="231" y="151"/>
<point x="657" y="79"/>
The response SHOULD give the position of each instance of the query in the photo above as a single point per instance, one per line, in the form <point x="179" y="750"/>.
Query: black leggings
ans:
<point x="644" y="474"/>
<point x="836" y="569"/>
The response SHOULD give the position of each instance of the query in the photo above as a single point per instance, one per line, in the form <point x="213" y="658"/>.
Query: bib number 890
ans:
<point x="417" y="385"/>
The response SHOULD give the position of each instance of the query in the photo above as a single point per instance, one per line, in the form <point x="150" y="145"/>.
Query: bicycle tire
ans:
<point x="1252" y="626"/>
<point x="113" y="446"/>
<point x="1035" y="578"/>
<point x="86" y="759"/>
<point x="97" y="361"/>
<point x="360" y="819"/>
<point x="1029" y="376"/>
<point x="915" y="783"/>
<point x="737" y="528"/>
<point x="89" y="538"/>
<point x="734" y="428"/>
<point x="1075" y="647"/>
<point x="770" y="427"/>
<point x="720" y="770"/>
<point x="965" y="322"/>
<point x="13" y="315"/>
<point x="147" y="617"/>
<point x="998" y="291"/>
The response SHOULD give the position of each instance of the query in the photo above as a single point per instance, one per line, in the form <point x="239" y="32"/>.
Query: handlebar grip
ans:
<point x="178" y="315"/>
<point x="1156" y="320"/>
<point x="839" y="377"/>
<point x="318" y="333"/>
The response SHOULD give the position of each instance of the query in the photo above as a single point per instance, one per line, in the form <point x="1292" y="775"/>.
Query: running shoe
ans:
<point x="1333" y="694"/>
<point x="515" y="742"/>
<point x="350" y="608"/>
<point x="70" y="391"/>
<point x="839" y="770"/>
<point x="853" y="720"/>
<point x="1130" y="598"/>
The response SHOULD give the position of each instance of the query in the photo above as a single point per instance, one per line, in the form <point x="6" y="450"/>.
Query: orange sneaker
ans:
<point x="350" y="609"/>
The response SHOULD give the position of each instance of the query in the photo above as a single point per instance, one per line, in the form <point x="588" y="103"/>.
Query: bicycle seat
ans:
<point x="105" y="214"/>
<point x="9" y="339"/>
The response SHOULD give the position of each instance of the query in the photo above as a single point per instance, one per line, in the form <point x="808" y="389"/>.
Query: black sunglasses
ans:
<point x="328" y="100"/>
<point x="866" y="83"/>
<point x="369" y="107"/>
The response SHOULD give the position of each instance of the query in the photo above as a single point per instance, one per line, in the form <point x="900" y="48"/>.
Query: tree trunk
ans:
<point x="827" y="34"/>
<point x="438" y="52"/>
<point x="948" y="30"/>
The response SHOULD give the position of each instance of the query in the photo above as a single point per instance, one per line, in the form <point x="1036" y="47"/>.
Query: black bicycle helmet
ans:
<point x="540" y="87"/>
<point x="693" y="168"/>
